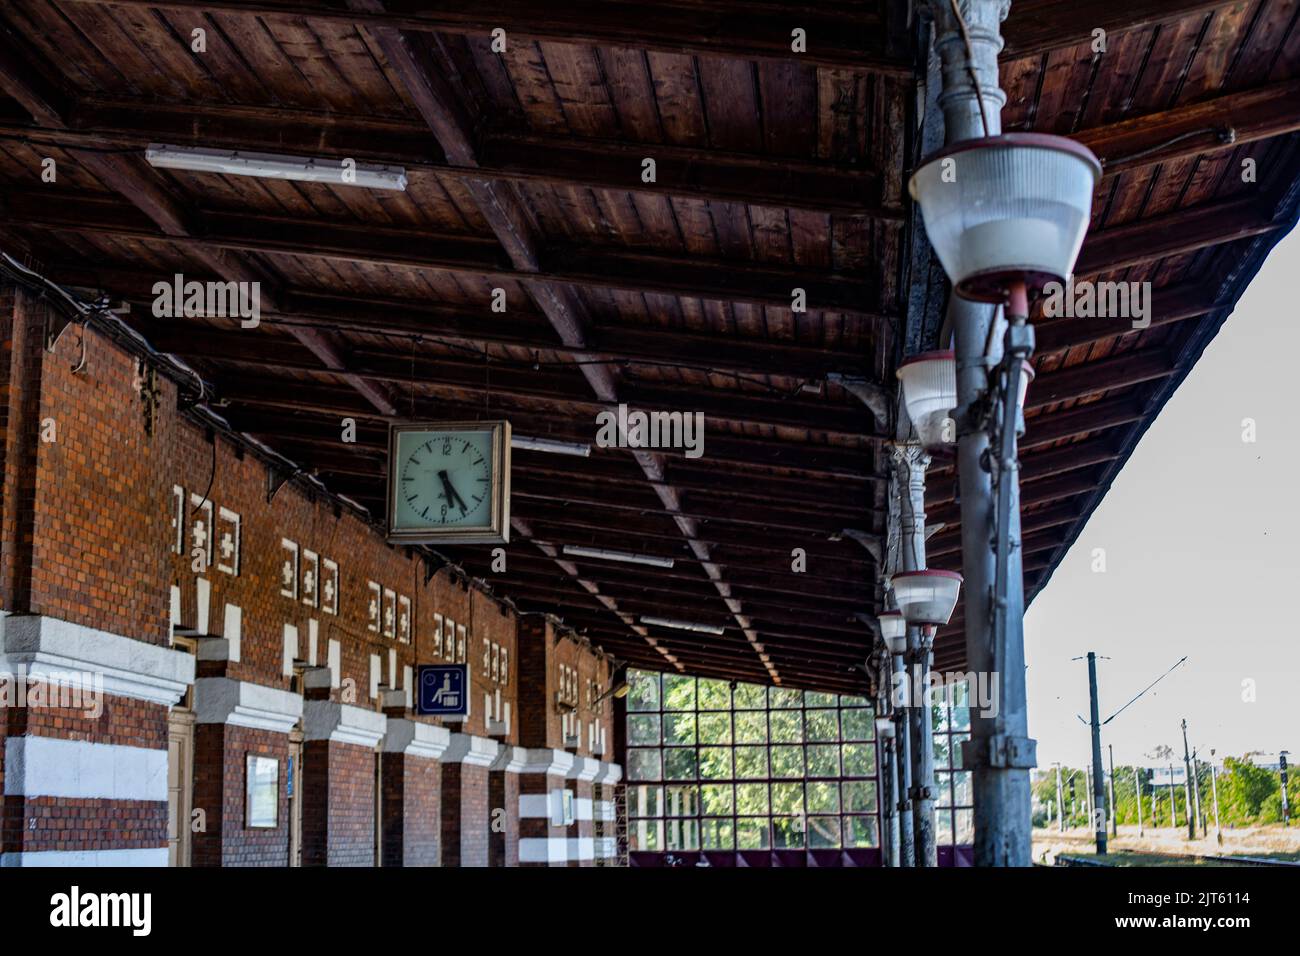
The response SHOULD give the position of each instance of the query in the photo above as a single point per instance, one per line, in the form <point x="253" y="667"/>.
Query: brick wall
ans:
<point x="220" y="760"/>
<point x="411" y="811"/>
<point x="466" y="815"/>
<point x="338" y="823"/>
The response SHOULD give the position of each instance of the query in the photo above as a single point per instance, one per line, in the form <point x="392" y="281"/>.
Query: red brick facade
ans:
<point x="122" y="515"/>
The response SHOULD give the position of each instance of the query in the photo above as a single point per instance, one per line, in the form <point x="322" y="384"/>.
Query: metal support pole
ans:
<point x="1110" y="791"/>
<point x="1214" y="787"/>
<point x="1000" y="752"/>
<point x="1187" y="786"/>
<point x="1060" y="803"/>
<point x="903" y="757"/>
<point x="889" y="787"/>
<point x="1286" y="801"/>
<point x="911" y="461"/>
<point x="1098" y="774"/>
<point x="1137" y="789"/>
<point x="1173" y="801"/>
<point x="921" y="646"/>
<point x="1196" y="791"/>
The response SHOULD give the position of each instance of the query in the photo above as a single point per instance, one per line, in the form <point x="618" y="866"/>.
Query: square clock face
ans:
<point x="449" y="483"/>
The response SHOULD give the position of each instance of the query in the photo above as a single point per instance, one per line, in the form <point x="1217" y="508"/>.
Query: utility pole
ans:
<point x="1000" y="753"/>
<point x="1286" y="805"/>
<point x="1196" y="791"/>
<point x="1060" y="804"/>
<point x="1214" y="786"/>
<point x="1098" y="775"/>
<point x="1114" y="823"/>
<point x="1137" y="789"/>
<point x="1173" y="803"/>
<point x="1187" y="785"/>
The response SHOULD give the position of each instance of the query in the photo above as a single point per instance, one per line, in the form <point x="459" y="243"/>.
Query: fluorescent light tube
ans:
<point x="682" y="625"/>
<point x="310" y="169"/>
<point x="550" y="445"/>
<point x="580" y="551"/>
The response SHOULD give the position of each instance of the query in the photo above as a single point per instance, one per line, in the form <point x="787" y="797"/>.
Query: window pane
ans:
<point x="787" y="798"/>
<point x="751" y="728"/>
<point x="965" y="823"/>
<point x="859" y="831"/>
<point x="943" y="828"/>
<point x="823" y="797"/>
<point x="643" y="729"/>
<point x="751" y="763"/>
<point x="859" y="724"/>
<point x="824" y="760"/>
<point x="784" y="697"/>
<point x="815" y="699"/>
<point x="751" y="834"/>
<point x="961" y="788"/>
<point x="942" y="791"/>
<point x="853" y="702"/>
<point x="787" y="726"/>
<point x="679" y="692"/>
<point x="715" y="728"/>
<point x="646" y="835"/>
<point x="751" y="798"/>
<point x="787" y="833"/>
<point x="823" y="833"/>
<point x="679" y="728"/>
<point x="715" y="763"/>
<point x="717" y="800"/>
<point x="682" y="834"/>
<point x="682" y="801"/>
<point x="643" y="765"/>
<point x="679" y="763"/>
<point x="717" y="834"/>
<point x="714" y="695"/>
<point x="961" y="718"/>
<point x="787" y="761"/>
<point x="939" y="717"/>
<point x="823" y="724"/>
<point x="749" y="697"/>
<point x="645" y="801"/>
<point x="941" y="751"/>
<point x="859" y="796"/>
<point x="957" y="741"/>
<point x="859" y="760"/>
<point x="644" y="694"/>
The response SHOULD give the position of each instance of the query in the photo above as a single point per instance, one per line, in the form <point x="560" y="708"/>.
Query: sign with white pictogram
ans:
<point x="443" y="690"/>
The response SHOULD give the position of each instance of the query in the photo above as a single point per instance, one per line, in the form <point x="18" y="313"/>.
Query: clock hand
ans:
<point x="449" y="492"/>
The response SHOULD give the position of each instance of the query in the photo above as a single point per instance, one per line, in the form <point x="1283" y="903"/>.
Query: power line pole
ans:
<point x="1286" y="805"/>
<point x="1214" y="786"/>
<point x="1187" y="785"/>
<point x="1098" y="776"/>
<point x="1137" y="789"/>
<point x="1196" y="791"/>
<point x="1173" y="803"/>
<point x="1110" y="790"/>
<point x="1060" y="804"/>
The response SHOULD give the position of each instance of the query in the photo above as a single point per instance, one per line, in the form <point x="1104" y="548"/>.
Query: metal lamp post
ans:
<point x="1004" y="214"/>
<point x="893" y="629"/>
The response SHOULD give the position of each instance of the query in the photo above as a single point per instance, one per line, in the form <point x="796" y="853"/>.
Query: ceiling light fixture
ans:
<point x="310" y="169"/>
<point x="550" y="445"/>
<point x="682" y="625"/>
<point x="627" y="557"/>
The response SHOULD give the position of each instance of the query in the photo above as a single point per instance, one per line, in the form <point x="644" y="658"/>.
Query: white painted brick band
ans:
<point x="79" y="769"/>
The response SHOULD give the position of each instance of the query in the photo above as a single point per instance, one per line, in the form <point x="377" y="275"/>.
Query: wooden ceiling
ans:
<point x="774" y="171"/>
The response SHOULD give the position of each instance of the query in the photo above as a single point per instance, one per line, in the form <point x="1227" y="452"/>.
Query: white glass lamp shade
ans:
<point x="1004" y="208"/>
<point x="930" y="394"/>
<point x="884" y="727"/>
<point x="926" y="598"/>
<point x="893" y="628"/>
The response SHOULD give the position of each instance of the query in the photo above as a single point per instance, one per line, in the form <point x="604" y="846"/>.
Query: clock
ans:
<point x="449" y="483"/>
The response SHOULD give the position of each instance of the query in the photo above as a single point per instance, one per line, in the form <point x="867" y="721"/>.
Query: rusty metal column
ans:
<point x="910" y="461"/>
<point x="1000" y="752"/>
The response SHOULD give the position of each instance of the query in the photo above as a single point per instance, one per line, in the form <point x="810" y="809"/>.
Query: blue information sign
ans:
<point x="443" y="690"/>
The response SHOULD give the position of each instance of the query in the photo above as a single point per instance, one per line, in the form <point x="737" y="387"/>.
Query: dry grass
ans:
<point x="1169" y="847"/>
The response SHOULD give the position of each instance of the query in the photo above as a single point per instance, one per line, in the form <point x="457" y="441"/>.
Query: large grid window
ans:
<point x="717" y="766"/>
<point x="953" y="816"/>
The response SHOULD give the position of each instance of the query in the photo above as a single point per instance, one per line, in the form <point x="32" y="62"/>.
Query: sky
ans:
<point x="1199" y="536"/>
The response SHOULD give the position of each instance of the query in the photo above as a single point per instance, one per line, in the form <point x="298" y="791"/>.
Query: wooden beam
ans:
<point x="1196" y="129"/>
<point x="1036" y="27"/>
<point x="852" y="39"/>
<point x="730" y="281"/>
